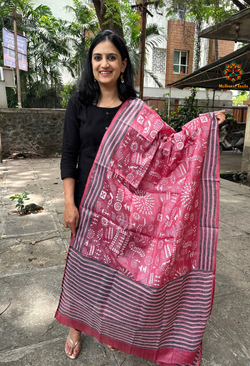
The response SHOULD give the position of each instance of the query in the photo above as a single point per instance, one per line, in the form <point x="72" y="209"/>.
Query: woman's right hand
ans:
<point x="71" y="217"/>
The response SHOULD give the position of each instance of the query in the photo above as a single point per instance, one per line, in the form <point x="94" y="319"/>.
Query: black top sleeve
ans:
<point x="71" y="140"/>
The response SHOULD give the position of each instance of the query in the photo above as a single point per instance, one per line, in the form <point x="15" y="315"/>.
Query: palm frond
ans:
<point x="154" y="77"/>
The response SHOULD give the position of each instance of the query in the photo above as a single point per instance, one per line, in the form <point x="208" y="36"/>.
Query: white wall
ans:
<point x="162" y="22"/>
<point x="57" y="7"/>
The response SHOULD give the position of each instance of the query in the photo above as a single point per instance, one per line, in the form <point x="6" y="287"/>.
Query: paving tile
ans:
<point x="31" y="252"/>
<point x="29" y="224"/>
<point x="33" y="298"/>
<point x="51" y="353"/>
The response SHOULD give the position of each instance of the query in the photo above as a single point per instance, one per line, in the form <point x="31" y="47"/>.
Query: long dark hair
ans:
<point x="89" y="90"/>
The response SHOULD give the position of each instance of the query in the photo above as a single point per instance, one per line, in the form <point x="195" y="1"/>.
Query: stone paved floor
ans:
<point x="32" y="257"/>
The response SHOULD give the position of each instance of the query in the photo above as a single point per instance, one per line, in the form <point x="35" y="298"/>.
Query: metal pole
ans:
<point x="169" y="99"/>
<point x="213" y="98"/>
<point x="17" y="62"/>
<point x="143" y="41"/>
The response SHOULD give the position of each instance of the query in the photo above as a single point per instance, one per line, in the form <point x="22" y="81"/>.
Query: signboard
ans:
<point x="233" y="73"/>
<point x="7" y="75"/>
<point x="9" y="50"/>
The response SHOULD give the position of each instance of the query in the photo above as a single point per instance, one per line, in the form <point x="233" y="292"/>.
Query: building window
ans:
<point x="180" y="62"/>
<point x="181" y="12"/>
<point x="159" y="60"/>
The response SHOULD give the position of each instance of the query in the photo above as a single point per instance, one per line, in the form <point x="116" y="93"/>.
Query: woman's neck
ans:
<point x="109" y="98"/>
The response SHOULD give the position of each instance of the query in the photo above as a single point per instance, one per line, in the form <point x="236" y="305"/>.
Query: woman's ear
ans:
<point x="124" y="64"/>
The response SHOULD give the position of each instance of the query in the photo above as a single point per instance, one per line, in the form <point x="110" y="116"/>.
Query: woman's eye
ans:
<point x="111" y="58"/>
<point x="97" y="58"/>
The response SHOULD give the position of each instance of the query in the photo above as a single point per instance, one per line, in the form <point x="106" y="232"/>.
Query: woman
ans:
<point x="140" y="269"/>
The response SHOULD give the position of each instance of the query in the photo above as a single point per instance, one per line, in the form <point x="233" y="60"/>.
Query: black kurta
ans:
<point x="84" y="128"/>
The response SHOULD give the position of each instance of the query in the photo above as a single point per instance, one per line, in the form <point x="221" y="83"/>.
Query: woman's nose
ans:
<point x="104" y="62"/>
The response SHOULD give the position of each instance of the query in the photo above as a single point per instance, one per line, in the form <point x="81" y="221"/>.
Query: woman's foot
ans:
<point x="110" y="347"/>
<point x="73" y="343"/>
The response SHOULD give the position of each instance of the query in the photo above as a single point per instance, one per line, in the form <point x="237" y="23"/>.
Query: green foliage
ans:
<point x="20" y="201"/>
<point x="186" y="112"/>
<point x="52" y="44"/>
<point x="203" y="10"/>
<point x="240" y="98"/>
<point x="66" y="94"/>
<point x="80" y="34"/>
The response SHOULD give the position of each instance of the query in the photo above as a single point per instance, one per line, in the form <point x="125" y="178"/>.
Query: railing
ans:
<point x="239" y="112"/>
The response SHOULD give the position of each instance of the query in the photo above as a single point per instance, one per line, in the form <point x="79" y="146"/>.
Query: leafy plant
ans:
<point x="66" y="93"/>
<point x="20" y="201"/>
<point x="186" y="112"/>
<point x="240" y="98"/>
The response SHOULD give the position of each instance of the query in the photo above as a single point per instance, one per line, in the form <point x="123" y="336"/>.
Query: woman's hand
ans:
<point x="220" y="116"/>
<point x="71" y="218"/>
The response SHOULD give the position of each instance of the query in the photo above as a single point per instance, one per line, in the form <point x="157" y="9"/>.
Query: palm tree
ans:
<point x="80" y="32"/>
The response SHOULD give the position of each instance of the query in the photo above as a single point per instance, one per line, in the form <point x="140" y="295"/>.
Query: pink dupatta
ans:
<point x="140" y="271"/>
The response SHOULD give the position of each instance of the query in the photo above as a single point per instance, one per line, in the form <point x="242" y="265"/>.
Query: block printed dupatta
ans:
<point x="140" y="271"/>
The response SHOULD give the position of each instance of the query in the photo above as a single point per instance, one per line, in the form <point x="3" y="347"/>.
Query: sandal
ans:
<point x="112" y="348"/>
<point x="73" y="356"/>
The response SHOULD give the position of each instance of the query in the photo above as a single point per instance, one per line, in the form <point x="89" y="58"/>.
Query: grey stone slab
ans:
<point x="51" y="353"/>
<point x="16" y="225"/>
<point x="237" y="201"/>
<point x="32" y="298"/>
<point x="237" y="218"/>
<point x="124" y="359"/>
<point x="234" y="187"/>
<point x="226" y="340"/>
<point x="227" y="231"/>
<point x="29" y="253"/>
<point x="236" y="252"/>
<point x="58" y="203"/>
<point x="229" y="278"/>
<point x="227" y="337"/>
<point x="220" y="350"/>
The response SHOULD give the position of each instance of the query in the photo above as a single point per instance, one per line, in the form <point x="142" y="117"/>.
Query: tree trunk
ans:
<point x="101" y="11"/>
<point x="197" y="48"/>
<point x="239" y="4"/>
<point x="216" y="42"/>
<point x="247" y="1"/>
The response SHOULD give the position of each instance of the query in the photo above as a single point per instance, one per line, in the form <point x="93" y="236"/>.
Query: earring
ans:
<point x="94" y="80"/>
<point x="122" y="80"/>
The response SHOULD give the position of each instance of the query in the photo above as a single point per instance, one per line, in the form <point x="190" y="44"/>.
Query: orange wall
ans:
<point x="225" y="47"/>
<point x="180" y="37"/>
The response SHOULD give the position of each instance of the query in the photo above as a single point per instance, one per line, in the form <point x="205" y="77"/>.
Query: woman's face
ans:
<point x="107" y="64"/>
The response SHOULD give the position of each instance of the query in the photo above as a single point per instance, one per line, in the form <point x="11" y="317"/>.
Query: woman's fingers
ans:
<point x="71" y="219"/>
<point x="220" y="116"/>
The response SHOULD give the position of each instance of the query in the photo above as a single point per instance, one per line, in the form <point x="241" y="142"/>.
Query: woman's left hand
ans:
<point x="220" y="116"/>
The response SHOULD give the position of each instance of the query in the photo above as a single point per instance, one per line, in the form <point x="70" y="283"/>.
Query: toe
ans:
<point x="77" y="349"/>
<point x="68" y="348"/>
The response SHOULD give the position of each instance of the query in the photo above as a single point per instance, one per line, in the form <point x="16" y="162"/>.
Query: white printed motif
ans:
<point x="143" y="202"/>
<point x="103" y="195"/>
<point x="140" y="120"/>
<point x="118" y="206"/>
<point x="144" y="223"/>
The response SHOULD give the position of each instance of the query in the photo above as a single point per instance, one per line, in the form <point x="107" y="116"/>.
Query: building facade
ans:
<point x="173" y="57"/>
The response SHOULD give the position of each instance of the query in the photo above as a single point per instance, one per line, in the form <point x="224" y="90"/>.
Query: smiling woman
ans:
<point x="108" y="66"/>
<point x="141" y="262"/>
